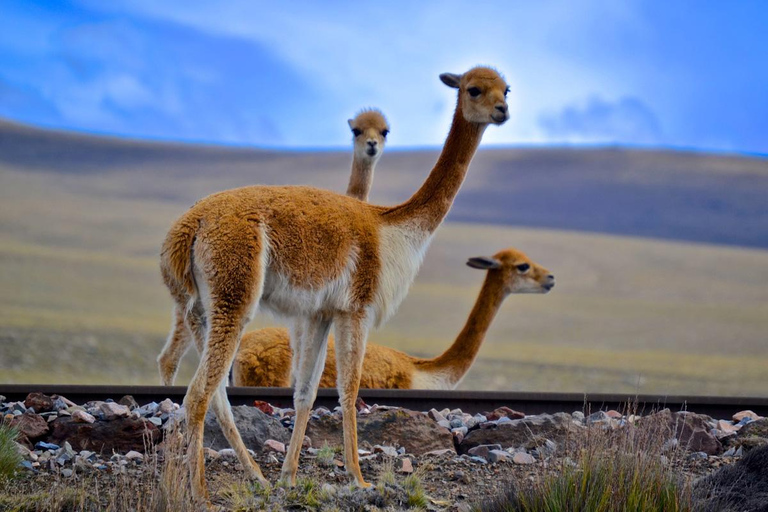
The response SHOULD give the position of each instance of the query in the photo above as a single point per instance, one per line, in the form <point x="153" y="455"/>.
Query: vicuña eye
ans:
<point x="506" y="91"/>
<point x="523" y="267"/>
<point x="356" y="132"/>
<point x="474" y="91"/>
<point x="384" y="133"/>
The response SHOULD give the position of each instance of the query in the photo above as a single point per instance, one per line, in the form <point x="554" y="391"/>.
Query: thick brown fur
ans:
<point x="314" y="257"/>
<point x="264" y="358"/>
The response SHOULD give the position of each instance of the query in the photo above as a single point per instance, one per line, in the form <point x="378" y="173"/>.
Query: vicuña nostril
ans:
<point x="372" y="143"/>
<point x="502" y="108"/>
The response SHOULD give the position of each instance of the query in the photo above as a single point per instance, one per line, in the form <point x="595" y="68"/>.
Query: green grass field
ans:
<point x="81" y="299"/>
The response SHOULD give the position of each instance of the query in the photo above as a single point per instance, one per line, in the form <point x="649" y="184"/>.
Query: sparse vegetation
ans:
<point x="629" y="469"/>
<point x="10" y="458"/>
<point x="326" y="454"/>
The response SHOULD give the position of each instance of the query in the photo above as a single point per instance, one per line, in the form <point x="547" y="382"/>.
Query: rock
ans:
<point x="483" y="450"/>
<point x="227" y="453"/>
<point x="82" y="417"/>
<point x="30" y="425"/>
<point x="42" y="445"/>
<point x="523" y="458"/>
<point x="757" y="428"/>
<point x="727" y="426"/>
<point x="407" y="466"/>
<point x="155" y="421"/>
<point x="690" y="429"/>
<point x="165" y="407"/>
<point x="578" y="416"/>
<point x="360" y="405"/>
<point x="111" y="411"/>
<point x="517" y="432"/>
<point x="66" y="473"/>
<point x="441" y="453"/>
<point x="745" y="414"/>
<point x="597" y="417"/>
<point x="129" y="402"/>
<point x="254" y="426"/>
<point x="504" y="412"/>
<point x="120" y="435"/>
<point x="210" y="454"/>
<point x="414" y="431"/>
<point x="265" y="407"/>
<point x="387" y="450"/>
<point x="614" y="414"/>
<point x="134" y="455"/>
<point x="39" y="402"/>
<point x="435" y="415"/>
<point x="498" y="456"/>
<point x="275" y="446"/>
<point x="456" y="423"/>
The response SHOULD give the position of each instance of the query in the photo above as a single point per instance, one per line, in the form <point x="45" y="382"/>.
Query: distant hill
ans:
<point x="700" y="197"/>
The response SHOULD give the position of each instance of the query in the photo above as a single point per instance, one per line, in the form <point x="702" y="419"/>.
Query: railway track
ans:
<point x="419" y="400"/>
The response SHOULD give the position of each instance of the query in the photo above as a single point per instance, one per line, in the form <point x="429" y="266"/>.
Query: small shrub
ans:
<point x="10" y="458"/>
<point x="325" y="455"/>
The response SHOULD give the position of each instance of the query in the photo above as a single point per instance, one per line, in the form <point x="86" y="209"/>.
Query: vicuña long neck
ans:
<point x="431" y="203"/>
<point x="361" y="179"/>
<point x="454" y="363"/>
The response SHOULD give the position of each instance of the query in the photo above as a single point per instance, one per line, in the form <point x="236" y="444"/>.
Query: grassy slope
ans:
<point x="82" y="300"/>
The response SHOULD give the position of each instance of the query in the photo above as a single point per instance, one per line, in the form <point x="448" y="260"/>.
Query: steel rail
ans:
<point x="420" y="400"/>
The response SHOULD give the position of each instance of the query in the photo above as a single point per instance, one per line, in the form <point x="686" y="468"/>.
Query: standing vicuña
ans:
<point x="264" y="358"/>
<point x="318" y="259"/>
<point x="369" y="129"/>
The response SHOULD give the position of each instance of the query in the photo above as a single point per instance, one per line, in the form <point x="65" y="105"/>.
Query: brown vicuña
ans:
<point x="264" y="358"/>
<point x="369" y="131"/>
<point x="315" y="258"/>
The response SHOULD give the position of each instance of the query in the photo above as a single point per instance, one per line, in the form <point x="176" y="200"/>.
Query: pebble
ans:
<point x="275" y="446"/>
<point x="83" y="417"/>
<point x="66" y="472"/>
<point x="389" y="451"/>
<point x="523" y="458"/>
<point x="498" y="456"/>
<point x="134" y="455"/>
<point x="483" y="450"/>
<point x="42" y="445"/>
<point x="407" y="466"/>
<point x="113" y="411"/>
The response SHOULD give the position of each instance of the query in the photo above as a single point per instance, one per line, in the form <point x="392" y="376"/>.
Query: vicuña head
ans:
<point x="264" y="357"/>
<point x="516" y="272"/>
<point x="317" y="259"/>
<point x="369" y="132"/>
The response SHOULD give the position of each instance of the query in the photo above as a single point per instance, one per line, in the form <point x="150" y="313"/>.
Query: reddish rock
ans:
<point x="30" y="425"/>
<point x="113" y="411"/>
<point x="745" y="414"/>
<point x="39" y="401"/>
<point x="727" y="426"/>
<point x="504" y="412"/>
<point x="120" y="435"/>
<point x="414" y="431"/>
<point x="407" y="466"/>
<point x="275" y="446"/>
<point x="82" y="417"/>
<point x="614" y="414"/>
<point x="264" y="407"/>
<point x="523" y="458"/>
<point x="360" y="405"/>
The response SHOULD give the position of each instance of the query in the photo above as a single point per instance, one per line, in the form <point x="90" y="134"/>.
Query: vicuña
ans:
<point x="264" y="358"/>
<point x="316" y="259"/>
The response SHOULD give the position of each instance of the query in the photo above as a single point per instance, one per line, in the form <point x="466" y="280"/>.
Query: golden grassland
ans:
<point x="82" y="301"/>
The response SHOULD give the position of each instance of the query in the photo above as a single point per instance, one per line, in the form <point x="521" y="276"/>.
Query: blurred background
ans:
<point x="634" y="166"/>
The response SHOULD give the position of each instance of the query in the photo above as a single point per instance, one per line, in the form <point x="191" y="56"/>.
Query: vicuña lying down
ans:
<point x="264" y="358"/>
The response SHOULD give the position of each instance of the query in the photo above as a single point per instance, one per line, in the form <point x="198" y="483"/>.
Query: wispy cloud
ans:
<point x="596" y="120"/>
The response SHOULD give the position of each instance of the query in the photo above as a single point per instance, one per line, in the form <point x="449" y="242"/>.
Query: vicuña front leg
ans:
<point x="311" y="344"/>
<point x="351" y="336"/>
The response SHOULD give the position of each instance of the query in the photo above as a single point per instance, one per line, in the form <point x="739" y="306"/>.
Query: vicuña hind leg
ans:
<point x="175" y="347"/>
<point x="310" y="360"/>
<point x="351" y="336"/>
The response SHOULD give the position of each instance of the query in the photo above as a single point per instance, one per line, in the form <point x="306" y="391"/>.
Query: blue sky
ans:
<point x="690" y="74"/>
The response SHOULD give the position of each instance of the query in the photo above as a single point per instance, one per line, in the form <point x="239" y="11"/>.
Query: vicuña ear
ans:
<point x="349" y="122"/>
<point x="451" y="80"/>
<point x="483" y="263"/>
